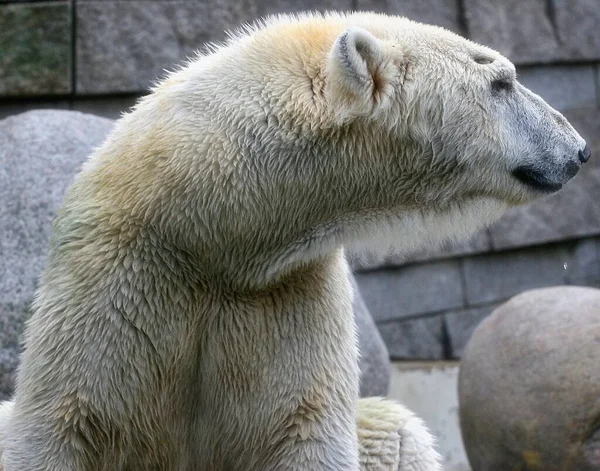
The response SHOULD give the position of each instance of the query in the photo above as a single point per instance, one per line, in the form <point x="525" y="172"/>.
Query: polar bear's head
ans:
<point x="352" y="129"/>
<point x="444" y="127"/>
<point x="472" y="128"/>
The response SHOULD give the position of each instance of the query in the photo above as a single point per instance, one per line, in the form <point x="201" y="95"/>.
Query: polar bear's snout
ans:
<point x="549" y="178"/>
<point x="539" y="181"/>
<point x="553" y="152"/>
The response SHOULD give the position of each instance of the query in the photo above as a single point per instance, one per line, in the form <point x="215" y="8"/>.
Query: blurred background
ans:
<point x="98" y="57"/>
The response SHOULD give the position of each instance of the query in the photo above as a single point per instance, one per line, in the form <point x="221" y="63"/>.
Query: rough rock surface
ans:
<point x="536" y="31"/>
<point x="529" y="386"/>
<point x="40" y="153"/>
<point x="413" y="290"/>
<point x="564" y="87"/>
<point x="460" y="325"/>
<point x="420" y="338"/>
<point x="374" y="359"/>
<point x="501" y="275"/>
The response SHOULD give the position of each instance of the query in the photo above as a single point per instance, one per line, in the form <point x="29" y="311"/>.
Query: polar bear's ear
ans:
<point x="358" y="74"/>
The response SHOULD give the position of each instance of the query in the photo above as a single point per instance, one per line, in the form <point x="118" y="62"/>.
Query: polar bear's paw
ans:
<point x="417" y="448"/>
<point x="392" y="438"/>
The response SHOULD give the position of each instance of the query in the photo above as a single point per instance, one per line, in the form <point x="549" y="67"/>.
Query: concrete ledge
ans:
<point x="429" y="389"/>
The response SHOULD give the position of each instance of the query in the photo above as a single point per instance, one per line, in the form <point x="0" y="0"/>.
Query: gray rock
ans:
<point x="572" y="213"/>
<point x="35" y="40"/>
<point x="416" y="289"/>
<point x="529" y="385"/>
<point x="460" y="325"/>
<point x="10" y="108"/>
<point x="496" y="277"/>
<point x="40" y="152"/>
<point x="562" y="86"/>
<point x="374" y="359"/>
<point x="125" y="46"/>
<point x="436" y="12"/>
<point x="421" y="338"/>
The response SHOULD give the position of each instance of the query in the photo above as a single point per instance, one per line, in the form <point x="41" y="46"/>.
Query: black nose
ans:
<point x="585" y="154"/>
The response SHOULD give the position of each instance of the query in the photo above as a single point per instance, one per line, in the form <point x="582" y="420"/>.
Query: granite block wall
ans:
<point x="99" y="56"/>
<point x="62" y="53"/>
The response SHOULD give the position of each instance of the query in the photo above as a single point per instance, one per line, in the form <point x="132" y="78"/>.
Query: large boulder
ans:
<point x="40" y="153"/>
<point x="529" y="385"/>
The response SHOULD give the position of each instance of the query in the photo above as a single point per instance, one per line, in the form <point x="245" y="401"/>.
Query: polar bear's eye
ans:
<point x="501" y="85"/>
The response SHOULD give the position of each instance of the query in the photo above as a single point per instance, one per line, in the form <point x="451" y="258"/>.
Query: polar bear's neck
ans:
<point x="252" y="194"/>
<point x="261" y="212"/>
<point x="385" y="232"/>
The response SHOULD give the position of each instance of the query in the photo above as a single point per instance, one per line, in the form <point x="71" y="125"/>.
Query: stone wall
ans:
<point x="98" y="56"/>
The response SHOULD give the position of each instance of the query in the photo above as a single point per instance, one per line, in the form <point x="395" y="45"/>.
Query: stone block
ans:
<point x="562" y="86"/>
<point x="411" y="290"/>
<point x="584" y="266"/>
<point x="436" y="12"/>
<point x="536" y="31"/>
<point x="35" y="40"/>
<point x="521" y="30"/>
<point x="495" y="277"/>
<point x="107" y="107"/>
<point x="598" y="84"/>
<point x="572" y="213"/>
<point x="125" y="46"/>
<point x="460" y="324"/>
<point x="577" y="28"/>
<point x="420" y="338"/>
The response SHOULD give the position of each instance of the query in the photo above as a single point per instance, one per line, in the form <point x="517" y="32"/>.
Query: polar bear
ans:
<point x="195" y="311"/>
